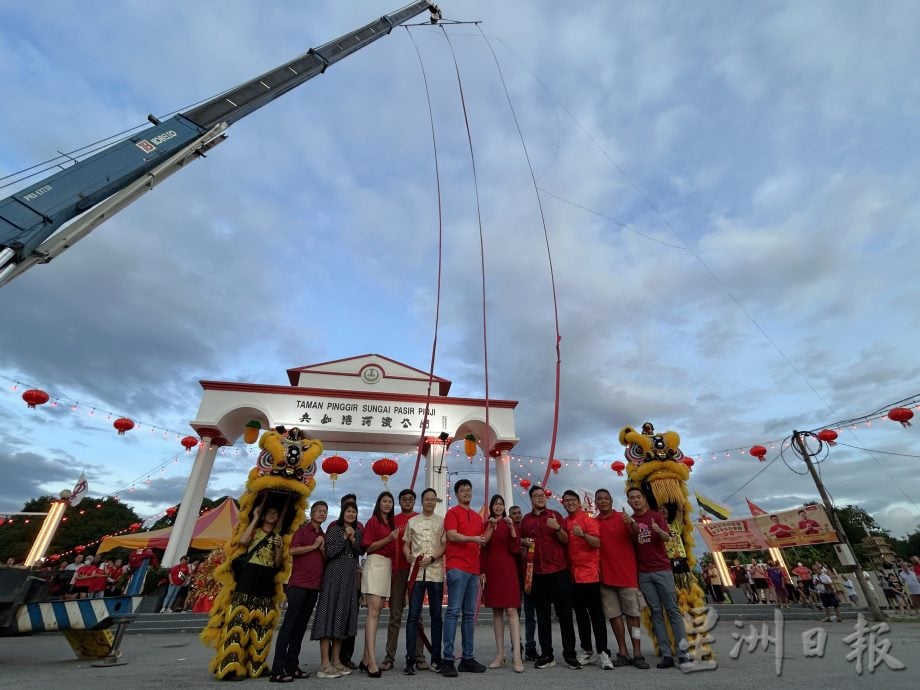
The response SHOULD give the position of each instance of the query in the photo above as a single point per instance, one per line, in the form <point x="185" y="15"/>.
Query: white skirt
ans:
<point x="375" y="576"/>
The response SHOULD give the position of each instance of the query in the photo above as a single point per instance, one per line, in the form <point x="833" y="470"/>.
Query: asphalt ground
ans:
<point x="180" y="661"/>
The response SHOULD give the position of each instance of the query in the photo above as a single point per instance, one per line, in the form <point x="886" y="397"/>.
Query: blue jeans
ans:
<point x="171" y="593"/>
<point x="661" y="596"/>
<point x="435" y="592"/>
<point x="462" y="595"/>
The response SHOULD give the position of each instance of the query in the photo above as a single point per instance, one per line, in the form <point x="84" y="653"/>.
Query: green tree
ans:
<point x="82" y="525"/>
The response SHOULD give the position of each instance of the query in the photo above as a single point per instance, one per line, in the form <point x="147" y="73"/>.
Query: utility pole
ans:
<point x="868" y="594"/>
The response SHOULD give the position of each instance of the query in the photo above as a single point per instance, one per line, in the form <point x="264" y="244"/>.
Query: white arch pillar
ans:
<point x="436" y="472"/>
<point x="503" y="474"/>
<point x="182" y="530"/>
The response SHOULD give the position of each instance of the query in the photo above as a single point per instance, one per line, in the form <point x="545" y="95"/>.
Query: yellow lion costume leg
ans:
<point x="241" y="624"/>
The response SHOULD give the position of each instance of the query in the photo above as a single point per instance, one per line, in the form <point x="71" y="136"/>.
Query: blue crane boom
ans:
<point x="100" y="185"/>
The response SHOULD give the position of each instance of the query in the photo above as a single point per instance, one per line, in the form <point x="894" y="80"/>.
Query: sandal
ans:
<point x="280" y="678"/>
<point x="386" y="665"/>
<point x="299" y="673"/>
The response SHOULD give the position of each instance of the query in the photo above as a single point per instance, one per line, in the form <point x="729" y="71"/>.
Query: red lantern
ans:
<point x="35" y="396"/>
<point x="688" y="461"/>
<point x="188" y="443"/>
<point x="555" y="465"/>
<point x="79" y="549"/>
<point x="829" y="436"/>
<point x="902" y="415"/>
<point x="171" y="511"/>
<point x="525" y="484"/>
<point x="335" y="465"/>
<point x="758" y="452"/>
<point x="618" y="467"/>
<point x="135" y="526"/>
<point x="384" y="468"/>
<point x="54" y="558"/>
<point x="548" y="492"/>
<point x="123" y="424"/>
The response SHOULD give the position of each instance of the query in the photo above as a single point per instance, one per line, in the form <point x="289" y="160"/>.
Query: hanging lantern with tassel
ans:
<point x="385" y="468"/>
<point x="335" y="465"/>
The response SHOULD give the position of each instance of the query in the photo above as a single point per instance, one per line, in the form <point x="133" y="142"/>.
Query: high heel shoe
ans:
<point x="374" y="674"/>
<point x="362" y="667"/>
<point x="518" y="666"/>
<point x="498" y="663"/>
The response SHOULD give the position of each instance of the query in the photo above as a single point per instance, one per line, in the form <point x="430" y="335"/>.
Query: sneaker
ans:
<point x="409" y="670"/>
<point x="544" y="662"/>
<point x="585" y="657"/>
<point x="448" y="670"/>
<point x="619" y="661"/>
<point x="572" y="664"/>
<point x="328" y="672"/>
<point x="530" y="654"/>
<point x="666" y="662"/>
<point x="434" y="667"/>
<point x="605" y="661"/>
<point x="470" y="666"/>
<point x="639" y="662"/>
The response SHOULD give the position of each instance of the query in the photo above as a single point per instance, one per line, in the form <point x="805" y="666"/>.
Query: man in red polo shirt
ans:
<point x="656" y="579"/>
<point x="552" y="585"/>
<point x="584" y="563"/>
<point x="463" y="528"/>
<point x="399" y="586"/>
<point x="304" y="583"/>
<point x="619" y="580"/>
<point x="91" y="579"/>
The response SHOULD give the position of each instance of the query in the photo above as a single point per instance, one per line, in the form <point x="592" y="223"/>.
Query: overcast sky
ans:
<point x="729" y="192"/>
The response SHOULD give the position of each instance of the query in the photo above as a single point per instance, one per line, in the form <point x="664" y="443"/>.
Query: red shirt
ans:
<point x="584" y="559"/>
<point x="549" y="554"/>
<point x="618" y="556"/>
<point x="375" y="530"/>
<point x="462" y="555"/>
<point x="178" y="574"/>
<point x="401" y="520"/>
<point x="95" y="575"/>
<point x="307" y="568"/>
<point x="651" y="554"/>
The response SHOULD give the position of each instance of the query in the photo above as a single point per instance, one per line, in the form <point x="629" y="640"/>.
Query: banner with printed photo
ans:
<point x="732" y="535"/>
<point x="797" y="527"/>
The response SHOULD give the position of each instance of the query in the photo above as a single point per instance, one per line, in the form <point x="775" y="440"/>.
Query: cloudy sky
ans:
<point x="729" y="192"/>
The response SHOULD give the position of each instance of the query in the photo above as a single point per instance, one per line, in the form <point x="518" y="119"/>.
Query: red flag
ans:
<point x="755" y="509"/>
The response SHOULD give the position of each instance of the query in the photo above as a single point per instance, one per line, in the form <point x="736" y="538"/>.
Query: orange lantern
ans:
<point x="335" y="465"/>
<point x="618" y="467"/>
<point x="829" y="436"/>
<point x="251" y="432"/>
<point x="188" y="443"/>
<point x="35" y="396"/>
<point x="902" y="415"/>
<point x="384" y="468"/>
<point x="123" y="424"/>
<point x="555" y="465"/>
<point x="525" y="484"/>
<point x="469" y="445"/>
<point x="758" y="452"/>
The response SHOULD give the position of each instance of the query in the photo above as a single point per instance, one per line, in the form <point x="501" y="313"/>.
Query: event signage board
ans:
<point x="797" y="527"/>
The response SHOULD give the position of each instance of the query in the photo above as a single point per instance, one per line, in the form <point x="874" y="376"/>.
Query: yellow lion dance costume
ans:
<point x="654" y="467"/>
<point x="240" y="626"/>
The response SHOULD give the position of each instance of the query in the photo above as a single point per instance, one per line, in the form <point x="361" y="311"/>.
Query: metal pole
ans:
<point x="868" y="594"/>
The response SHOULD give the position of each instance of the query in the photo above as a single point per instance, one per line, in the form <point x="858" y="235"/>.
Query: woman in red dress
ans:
<point x="500" y="586"/>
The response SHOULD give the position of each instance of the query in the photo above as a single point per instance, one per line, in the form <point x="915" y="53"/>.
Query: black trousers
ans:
<point x="290" y="637"/>
<point x="589" y="614"/>
<point x="554" y="590"/>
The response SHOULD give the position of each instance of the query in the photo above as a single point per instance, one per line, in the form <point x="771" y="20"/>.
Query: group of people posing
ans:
<point x="589" y="570"/>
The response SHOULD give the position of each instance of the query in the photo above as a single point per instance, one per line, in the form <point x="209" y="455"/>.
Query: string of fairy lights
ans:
<point x="524" y="463"/>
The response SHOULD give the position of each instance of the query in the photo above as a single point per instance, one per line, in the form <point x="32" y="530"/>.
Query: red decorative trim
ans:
<point x="444" y="384"/>
<point x="294" y="391"/>
<point x="501" y="446"/>
<point x="435" y="441"/>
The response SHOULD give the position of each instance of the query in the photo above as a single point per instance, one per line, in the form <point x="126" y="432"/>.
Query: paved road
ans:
<point x="180" y="661"/>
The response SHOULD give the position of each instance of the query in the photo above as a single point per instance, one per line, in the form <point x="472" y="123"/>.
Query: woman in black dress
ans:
<point x="337" y="607"/>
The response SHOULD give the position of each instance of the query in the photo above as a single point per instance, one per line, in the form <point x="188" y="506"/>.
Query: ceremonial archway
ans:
<point x="364" y="403"/>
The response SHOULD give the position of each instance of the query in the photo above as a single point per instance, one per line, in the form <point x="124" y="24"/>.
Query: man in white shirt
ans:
<point x="911" y="585"/>
<point x="423" y="545"/>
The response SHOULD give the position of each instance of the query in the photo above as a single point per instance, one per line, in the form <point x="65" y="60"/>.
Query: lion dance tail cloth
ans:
<point x="654" y="467"/>
<point x="247" y="608"/>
